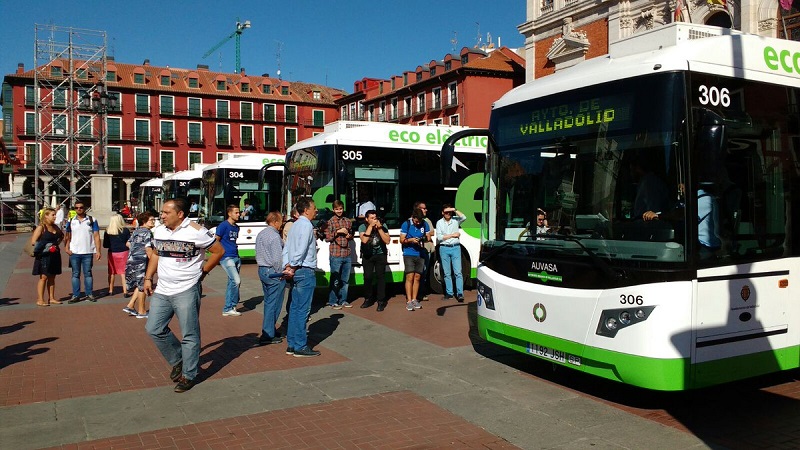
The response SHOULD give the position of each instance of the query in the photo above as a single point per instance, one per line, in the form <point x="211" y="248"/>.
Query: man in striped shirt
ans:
<point x="269" y="250"/>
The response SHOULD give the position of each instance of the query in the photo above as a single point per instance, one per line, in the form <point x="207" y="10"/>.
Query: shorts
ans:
<point x="414" y="264"/>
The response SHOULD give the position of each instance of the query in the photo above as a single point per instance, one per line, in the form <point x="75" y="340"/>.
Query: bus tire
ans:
<point x="436" y="275"/>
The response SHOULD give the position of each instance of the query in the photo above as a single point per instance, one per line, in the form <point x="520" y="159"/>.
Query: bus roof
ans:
<point x="186" y="175"/>
<point x="153" y="182"/>
<point x="675" y="47"/>
<point x="381" y="134"/>
<point x="245" y="161"/>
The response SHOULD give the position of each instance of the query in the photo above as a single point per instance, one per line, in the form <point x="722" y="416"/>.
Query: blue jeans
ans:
<point x="340" y="279"/>
<point x="81" y="263"/>
<point x="452" y="255"/>
<point x="232" y="265"/>
<point x="186" y="305"/>
<point x="305" y="280"/>
<point x="273" y="299"/>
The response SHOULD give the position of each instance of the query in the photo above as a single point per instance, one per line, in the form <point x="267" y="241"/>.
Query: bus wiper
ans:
<point x="604" y="266"/>
<point x="494" y="251"/>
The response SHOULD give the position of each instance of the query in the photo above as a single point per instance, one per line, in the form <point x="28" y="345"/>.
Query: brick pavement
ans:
<point x="92" y="358"/>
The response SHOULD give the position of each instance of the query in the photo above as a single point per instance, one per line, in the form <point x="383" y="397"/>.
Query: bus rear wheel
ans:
<point x="436" y="275"/>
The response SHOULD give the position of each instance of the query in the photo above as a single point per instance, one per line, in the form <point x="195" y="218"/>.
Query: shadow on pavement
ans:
<point x="23" y="351"/>
<point x="16" y="327"/>
<point x="224" y="351"/>
<point x="322" y="329"/>
<point x="252" y="303"/>
<point x="6" y="301"/>
<point x="442" y="309"/>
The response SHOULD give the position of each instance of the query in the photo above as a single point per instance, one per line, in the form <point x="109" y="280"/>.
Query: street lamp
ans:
<point x="100" y="102"/>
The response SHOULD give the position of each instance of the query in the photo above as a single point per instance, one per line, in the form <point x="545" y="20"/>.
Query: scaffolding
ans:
<point x="69" y="67"/>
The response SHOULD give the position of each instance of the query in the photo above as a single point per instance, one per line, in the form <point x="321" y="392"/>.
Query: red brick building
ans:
<point x="457" y="90"/>
<point x="165" y="119"/>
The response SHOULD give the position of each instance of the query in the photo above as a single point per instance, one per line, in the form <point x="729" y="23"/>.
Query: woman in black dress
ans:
<point x="47" y="263"/>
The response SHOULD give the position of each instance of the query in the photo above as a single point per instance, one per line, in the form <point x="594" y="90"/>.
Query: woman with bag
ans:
<point x="116" y="241"/>
<point x="47" y="263"/>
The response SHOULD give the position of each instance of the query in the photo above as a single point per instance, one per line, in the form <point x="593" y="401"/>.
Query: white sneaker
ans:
<point x="231" y="312"/>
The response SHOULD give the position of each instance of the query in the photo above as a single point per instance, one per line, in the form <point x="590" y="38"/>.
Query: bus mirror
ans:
<point x="449" y="148"/>
<point x="263" y="172"/>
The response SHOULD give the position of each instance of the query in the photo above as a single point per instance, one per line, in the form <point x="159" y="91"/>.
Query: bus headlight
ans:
<point x="485" y="296"/>
<point x="613" y="320"/>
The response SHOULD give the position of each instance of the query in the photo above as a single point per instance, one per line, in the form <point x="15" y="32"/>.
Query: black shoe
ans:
<point x="447" y="297"/>
<point x="91" y="298"/>
<point x="460" y="299"/>
<point x="266" y="340"/>
<point x="74" y="299"/>
<point x="367" y="303"/>
<point x="305" y="352"/>
<point x="177" y="371"/>
<point x="184" y="384"/>
<point x="289" y="351"/>
<point x="381" y="306"/>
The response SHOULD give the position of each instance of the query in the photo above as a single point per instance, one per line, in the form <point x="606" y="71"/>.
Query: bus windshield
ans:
<point x="225" y="186"/>
<point x="600" y="162"/>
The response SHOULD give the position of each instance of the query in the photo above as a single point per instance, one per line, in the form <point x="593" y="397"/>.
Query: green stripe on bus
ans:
<point x="650" y="373"/>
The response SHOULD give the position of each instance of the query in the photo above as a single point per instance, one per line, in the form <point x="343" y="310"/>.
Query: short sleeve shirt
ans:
<point x="412" y="231"/>
<point x="81" y="240"/>
<point x="181" y="253"/>
<point x="227" y="237"/>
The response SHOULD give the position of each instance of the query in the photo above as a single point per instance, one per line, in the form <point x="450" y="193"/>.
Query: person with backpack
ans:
<point x="374" y="236"/>
<point x="82" y="243"/>
<point x="47" y="265"/>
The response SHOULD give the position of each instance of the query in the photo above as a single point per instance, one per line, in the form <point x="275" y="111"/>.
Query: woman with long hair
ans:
<point x="116" y="241"/>
<point x="141" y="247"/>
<point x="45" y="240"/>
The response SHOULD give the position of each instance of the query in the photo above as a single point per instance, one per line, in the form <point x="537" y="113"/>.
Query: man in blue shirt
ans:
<point x="300" y="264"/>
<point x="707" y="222"/>
<point x="413" y="234"/>
<point x="227" y="233"/>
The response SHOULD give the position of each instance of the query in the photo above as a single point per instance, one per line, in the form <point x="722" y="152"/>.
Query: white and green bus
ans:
<point x="712" y="115"/>
<point x="185" y="184"/>
<point x="393" y="166"/>
<point x="234" y="180"/>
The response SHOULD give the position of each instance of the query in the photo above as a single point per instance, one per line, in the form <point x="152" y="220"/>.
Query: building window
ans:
<point x="245" y="87"/>
<point x="30" y="96"/>
<point x="195" y="133"/>
<point x="30" y="123"/>
<point x="464" y="59"/>
<point x="269" y="112"/>
<point x="59" y="155"/>
<point x="393" y="112"/>
<point x="142" y="103"/>
<point x="220" y="85"/>
<point x="291" y="137"/>
<point x="167" y="105"/>
<point x="422" y="123"/>
<point x="86" y="156"/>
<point x="284" y="90"/>
<point x="114" y="128"/>
<point x="59" y="125"/>
<point x="55" y="71"/>
<point x="138" y="78"/>
<point x="195" y="158"/>
<point x="85" y="126"/>
<point x="167" y="131"/>
<point x="421" y="102"/>
<point x="437" y="98"/>
<point x="142" y="130"/>
<point x="195" y="107"/>
<point x="118" y="97"/>
<point x="419" y="76"/>
<point x="405" y="79"/>
<point x="452" y="94"/>
<point x="194" y="82"/>
<point x="371" y="113"/>
<point x="142" y="156"/>
<point x="111" y="75"/>
<point x="60" y="98"/>
<point x="291" y="113"/>
<point x="454" y="121"/>
<point x="223" y="134"/>
<point x="438" y="121"/>
<point x="167" y="161"/>
<point x="382" y="111"/>
<point x="247" y="136"/>
<point x="393" y="83"/>
<point x="114" y="158"/>
<point x="407" y="106"/>
<point x="165" y="80"/>
<point x="246" y="109"/>
<point x="317" y="95"/>
<point x="266" y="88"/>
<point x="31" y="155"/>
<point x="448" y="65"/>
<point x="222" y="109"/>
<point x="319" y="117"/>
<point x="433" y="71"/>
<point x="269" y="137"/>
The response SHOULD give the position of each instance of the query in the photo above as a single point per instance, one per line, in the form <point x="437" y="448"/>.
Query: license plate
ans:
<point x="553" y="354"/>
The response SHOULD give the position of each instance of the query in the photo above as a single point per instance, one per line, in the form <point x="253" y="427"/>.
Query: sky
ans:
<point x="328" y="42"/>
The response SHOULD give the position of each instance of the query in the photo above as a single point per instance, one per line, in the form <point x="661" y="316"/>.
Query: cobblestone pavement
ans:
<point x="87" y="376"/>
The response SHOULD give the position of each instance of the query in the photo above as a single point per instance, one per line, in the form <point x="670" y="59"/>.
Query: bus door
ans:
<point x="380" y="186"/>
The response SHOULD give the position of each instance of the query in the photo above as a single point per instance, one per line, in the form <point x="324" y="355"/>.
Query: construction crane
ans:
<point x="240" y="27"/>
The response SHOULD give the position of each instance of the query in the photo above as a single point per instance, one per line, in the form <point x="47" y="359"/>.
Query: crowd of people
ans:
<point x="286" y="254"/>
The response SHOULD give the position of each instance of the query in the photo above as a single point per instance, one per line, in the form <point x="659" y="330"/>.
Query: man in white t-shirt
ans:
<point x="180" y="247"/>
<point x="82" y="244"/>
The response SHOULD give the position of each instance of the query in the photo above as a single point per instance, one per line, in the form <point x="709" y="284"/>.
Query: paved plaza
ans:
<point x="87" y="376"/>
